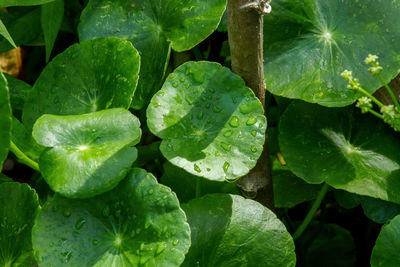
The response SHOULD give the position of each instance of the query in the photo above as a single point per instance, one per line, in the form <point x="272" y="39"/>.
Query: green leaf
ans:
<point x="4" y="178"/>
<point x="51" y="19"/>
<point x="378" y="210"/>
<point x="228" y="230"/>
<point x="387" y="246"/>
<point x="16" y="220"/>
<point x="342" y="147"/>
<point x="23" y="26"/>
<point x="7" y="3"/>
<point x="23" y="139"/>
<point x="90" y="76"/>
<point x="347" y="200"/>
<point x="184" y="184"/>
<point x="139" y="223"/>
<point x="312" y="42"/>
<point x="5" y="120"/>
<point x="89" y="154"/>
<point x="290" y="190"/>
<point x="19" y="91"/>
<point x="327" y="245"/>
<point x="6" y="34"/>
<point x="211" y="124"/>
<point x="153" y="26"/>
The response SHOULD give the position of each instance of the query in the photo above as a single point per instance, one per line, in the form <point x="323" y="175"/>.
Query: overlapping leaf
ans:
<point x="152" y="26"/>
<point x="313" y="41"/>
<point x="228" y="230"/>
<point x="211" y="124"/>
<point x="90" y="76"/>
<point x="139" y="223"/>
<point x="18" y="210"/>
<point x="90" y="153"/>
<point x="5" y="120"/>
<point x="343" y="148"/>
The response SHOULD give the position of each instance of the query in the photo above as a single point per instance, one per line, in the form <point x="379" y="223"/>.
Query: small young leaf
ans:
<point x="307" y="44"/>
<point x="387" y="246"/>
<point x="51" y="19"/>
<point x="153" y="26"/>
<point x="211" y="124"/>
<point x="6" y="34"/>
<point x="7" y="3"/>
<point x="90" y="76"/>
<point x="228" y="230"/>
<point x="19" y="91"/>
<point x="139" y="223"/>
<point x="89" y="154"/>
<point x="23" y="139"/>
<point x="341" y="147"/>
<point x="5" y="119"/>
<point x="18" y="210"/>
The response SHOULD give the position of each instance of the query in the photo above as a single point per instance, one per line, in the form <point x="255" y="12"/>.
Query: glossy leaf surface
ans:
<point x="228" y="230"/>
<point x="88" y="154"/>
<point x="153" y="26"/>
<point x="387" y="246"/>
<point x="139" y="223"/>
<point x="23" y="139"/>
<point x="16" y="220"/>
<point x="19" y="91"/>
<point x="86" y="77"/>
<point x="313" y="41"/>
<point x="342" y="147"/>
<point x="211" y="124"/>
<point x="7" y="3"/>
<point x="4" y="32"/>
<point x="5" y="119"/>
<point x="51" y="19"/>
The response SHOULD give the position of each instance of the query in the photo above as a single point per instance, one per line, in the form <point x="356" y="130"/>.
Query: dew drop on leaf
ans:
<point x="252" y="120"/>
<point x="234" y="122"/>
<point x="254" y="133"/>
<point x="253" y="149"/>
<point x="196" y="168"/>
<point x="226" y="166"/>
<point x="79" y="223"/>
<point x="228" y="133"/>
<point x="225" y="146"/>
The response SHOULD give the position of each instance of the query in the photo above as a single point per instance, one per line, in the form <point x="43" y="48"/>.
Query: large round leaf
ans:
<point x="347" y="150"/>
<point x="313" y="41"/>
<point x="228" y="230"/>
<point x="152" y="26"/>
<point x="18" y="209"/>
<point x="387" y="247"/>
<point x="5" y="119"/>
<point x="86" y="77"/>
<point x="211" y="124"/>
<point x="90" y="153"/>
<point x="139" y="223"/>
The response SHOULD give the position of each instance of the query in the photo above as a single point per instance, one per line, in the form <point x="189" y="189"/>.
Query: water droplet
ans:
<point x="226" y="166"/>
<point x="106" y="211"/>
<point x="228" y="133"/>
<point x="217" y="109"/>
<point x="67" y="256"/>
<point x="196" y="168"/>
<point x="188" y="99"/>
<point x="95" y="242"/>
<point x="225" y="146"/>
<point x="253" y="149"/>
<point x="254" y="133"/>
<point x="67" y="213"/>
<point x="169" y="147"/>
<point x="234" y="122"/>
<point x="175" y="242"/>
<point x="150" y="191"/>
<point x="79" y="223"/>
<point x="246" y="108"/>
<point x="252" y="120"/>
<point x="200" y="115"/>
<point x="160" y="247"/>
<point x="175" y="84"/>
<point x="234" y="99"/>
<point x="216" y="153"/>
<point x="164" y="197"/>
<point x="198" y="76"/>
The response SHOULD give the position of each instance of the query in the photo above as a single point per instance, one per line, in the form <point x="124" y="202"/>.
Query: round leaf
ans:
<point x="89" y="154"/>
<point x="228" y="230"/>
<point x="211" y="124"/>
<point x="387" y="247"/>
<point x="347" y="150"/>
<point x="139" y="223"/>
<point x="152" y="26"/>
<point x="86" y="77"/>
<point x="378" y="210"/>
<point x="312" y="42"/>
<point x="17" y="213"/>
<point x="5" y="120"/>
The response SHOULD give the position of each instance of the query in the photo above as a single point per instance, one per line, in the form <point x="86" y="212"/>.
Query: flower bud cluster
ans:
<point x="375" y="68"/>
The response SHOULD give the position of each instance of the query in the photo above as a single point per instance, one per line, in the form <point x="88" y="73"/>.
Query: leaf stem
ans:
<point x="376" y="114"/>
<point x="311" y="212"/>
<point x="390" y="92"/>
<point x="23" y="158"/>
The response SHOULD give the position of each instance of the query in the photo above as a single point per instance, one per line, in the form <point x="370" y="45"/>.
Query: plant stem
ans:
<point x="245" y="34"/>
<point x="376" y="114"/>
<point x="311" y="212"/>
<point x="376" y="101"/>
<point x="23" y="158"/>
<point x="390" y="92"/>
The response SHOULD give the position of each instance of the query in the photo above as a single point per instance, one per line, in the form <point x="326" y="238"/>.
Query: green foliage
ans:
<point x="51" y="19"/>
<point x="5" y="119"/>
